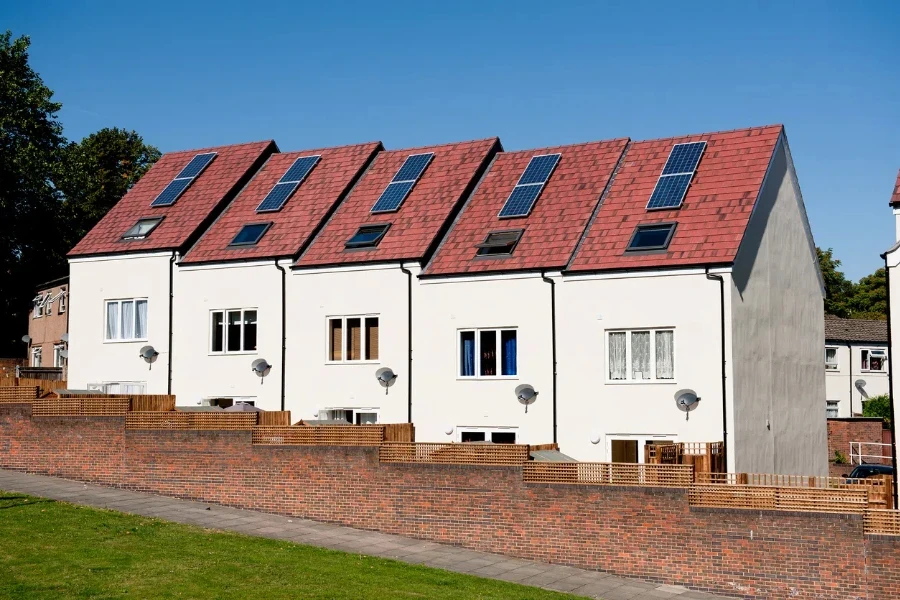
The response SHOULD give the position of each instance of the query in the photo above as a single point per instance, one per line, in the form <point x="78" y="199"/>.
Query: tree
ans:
<point x="30" y="138"/>
<point x="869" y="299"/>
<point x="838" y="289"/>
<point x="878" y="406"/>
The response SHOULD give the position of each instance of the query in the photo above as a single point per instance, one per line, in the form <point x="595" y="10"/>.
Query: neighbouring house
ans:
<point x="856" y="364"/>
<point x="891" y="263"/>
<point x="48" y="325"/>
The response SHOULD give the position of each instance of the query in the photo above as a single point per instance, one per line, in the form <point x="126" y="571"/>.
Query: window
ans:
<point x="642" y="355"/>
<point x="634" y="449"/>
<point x="651" y="237"/>
<point x="62" y="300"/>
<point x="367" y="236"/>
<point x="488" y="353"/>
<point x="249" y="235"/>
<point x="353" y="416"/>
<point x="233" y="331"/>
<point x="831" y="361"/>
<point x="39" y="302"/>
<point x="126" y="320"/>
<point x="142" y="228"/>
<point x="353" y="339"/>
<point x="119" y="387"/>
<point x="831" y="409"/>
<point x="36" y="357"/>
<point x="57" y="355"/>
<point x="873" y="359"/>
<point x="494" y="435"/>
<point x="499" y="243"/>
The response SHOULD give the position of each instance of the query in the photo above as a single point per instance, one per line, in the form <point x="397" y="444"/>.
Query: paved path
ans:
<point x="591" y="584"/>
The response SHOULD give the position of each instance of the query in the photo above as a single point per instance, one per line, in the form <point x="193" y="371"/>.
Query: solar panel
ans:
<point x="396" y="191"/>
<point x="521" y="200"/>
<point x="676" y="176"/>
<point x="289" y="182"/>
<point x="188" y="174"/>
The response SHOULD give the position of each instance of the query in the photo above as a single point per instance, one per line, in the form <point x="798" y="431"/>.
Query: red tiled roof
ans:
<point x="895" y="197"/>
<point x="292" y="225"/>
<point x="420" y="218"/>
<point x="556" y="223"/>
<point x="231" y="166"/>
<point x="716" y="209"/>
<point x="855" y="330"/>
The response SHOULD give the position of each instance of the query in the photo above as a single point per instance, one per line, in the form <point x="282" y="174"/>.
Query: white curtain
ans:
<point x="617" y="355"/>
<point x="112" y="321"/>
<point x="140" y="330"/>
<point x="665" y="354"/>
<point x="640" y="355"/>
<point x="127" y="320"/>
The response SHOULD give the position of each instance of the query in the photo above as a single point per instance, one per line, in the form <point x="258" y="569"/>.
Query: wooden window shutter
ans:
<point x="372" y="338"/>
<point x="354" y="339"/>
<point x="336" y="336"/>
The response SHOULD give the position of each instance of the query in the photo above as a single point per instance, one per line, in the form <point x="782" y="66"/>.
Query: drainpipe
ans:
<point x="283" y="328"/>
<point x="850" y="375"/>
<point x="721" y="281"/>
<point x="552" y="342"/>
<point x="887" y="285"/>
<point x="409" y="342"/>
<point x="171" y="312"/>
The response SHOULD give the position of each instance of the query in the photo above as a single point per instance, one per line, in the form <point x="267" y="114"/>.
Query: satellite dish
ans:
<point x="526" y="395"/>
<point x="261" y="367"/>
<point x="64" y="353"/>
<point x="860" y="384"/>
<point x="386" y="377"/>
<point x="686" y="401"/>
<point x="64" y="338"/>
<point x="26" y="338"/>
<point x="149" y="354"/>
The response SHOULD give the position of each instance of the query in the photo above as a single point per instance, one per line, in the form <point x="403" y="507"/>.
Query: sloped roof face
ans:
<point x="715" y="212"/>
<point x="322" y="188"/>
<point x="416" y="224"/>
<point x="855" y="330"/>
<point x="232" y="166"/>
<point x="555" y="224"/>
<point x="895" y="197"/>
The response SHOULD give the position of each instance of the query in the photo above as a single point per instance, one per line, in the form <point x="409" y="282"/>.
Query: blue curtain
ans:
<point x="509" y="353"/>
<point x="467" y="363"/>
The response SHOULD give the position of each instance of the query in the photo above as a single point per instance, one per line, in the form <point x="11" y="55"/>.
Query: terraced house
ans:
<point x="607" y="296"/>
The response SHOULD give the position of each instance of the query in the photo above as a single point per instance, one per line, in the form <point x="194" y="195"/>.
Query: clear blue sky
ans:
<point x="412" y="73"/>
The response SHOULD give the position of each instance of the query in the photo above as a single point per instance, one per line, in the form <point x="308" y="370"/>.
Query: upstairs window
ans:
<point x="641" y="355"/>
<point x="249" y="235"/>
<point x="873" y="360"/>
<point x="353" y="338"/>
<point x="39" y="301"/>
<point x="831" y="360"/>
<point x="499" y="243"/>
<point x="126" y="320"/>
<point x="367" y="236"/>
<point x="62" y="300"/>
<point x="142" y="228"/>
<point x="36" y="357"/>
<point x="233" y="331"/>
<point x="488" y="353"/>
<point x="651" y="237"/>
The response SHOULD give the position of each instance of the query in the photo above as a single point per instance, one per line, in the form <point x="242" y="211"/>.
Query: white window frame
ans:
<point x="832" y="405"/>
<point x="225" y="349"/>
<point x="63" y="294"/>
<point x="641" y="438"/>
<point x="833" y="366"/>
<point x="119" y="301"/>
<point x="864" y="364"/>
<point x="461" y="429"/>
<point x="357" y="410"/>
<point x="39" y="302"/>
<point x="58" y="360"/>
<point x="362" y="342"/>
<point x="498" y="331"/>
<point x="37" y="356"/>
<point x="107" y="385"/>
<point x="628" y="372"/>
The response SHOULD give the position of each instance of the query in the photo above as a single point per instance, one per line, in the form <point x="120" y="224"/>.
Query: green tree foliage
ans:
<point x="870" y="298"/>
<point x="878" y="406"/>
<point x="843" y="298"/>
<point x="51" y="191"/>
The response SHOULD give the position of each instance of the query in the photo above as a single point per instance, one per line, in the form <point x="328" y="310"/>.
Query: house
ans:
<point x="124" y="268"/>
<point x="47" y="328"/>
<point x="856" y="365"/>
<point x="891" y="263"/>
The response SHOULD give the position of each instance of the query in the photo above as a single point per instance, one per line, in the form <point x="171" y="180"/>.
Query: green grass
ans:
<point x="56" y="550"/>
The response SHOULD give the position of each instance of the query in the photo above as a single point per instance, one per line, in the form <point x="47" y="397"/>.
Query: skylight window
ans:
<point x="368" y="236"/>
<point x="499" y="243"/>
<point x="142" y="228"/>
<point x="651" y="237"/>
<point x="249" y="235"/>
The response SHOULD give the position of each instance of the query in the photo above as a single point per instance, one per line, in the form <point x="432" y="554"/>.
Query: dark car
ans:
<point x="864" y="470"/>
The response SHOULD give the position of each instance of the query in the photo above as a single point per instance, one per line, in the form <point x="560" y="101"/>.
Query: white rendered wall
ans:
<point x="198" y="373"/>
<point x="442" y="399"/>
<point x="591" y="407"/>
<point x="95" y="280"/>
<point x="313" y="382"/>
<point x="840" y="384"/>
<point x="893" y="261"/>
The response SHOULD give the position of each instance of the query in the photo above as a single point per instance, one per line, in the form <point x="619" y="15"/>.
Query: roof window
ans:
<point x="142" y="228"/>
<point x="499" y="243"/>
<point x="249" y="235"/>
<point x="367" y="236"/>
<point x="651" y="237"/>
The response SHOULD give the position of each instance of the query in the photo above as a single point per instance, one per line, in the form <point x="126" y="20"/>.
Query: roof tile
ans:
<point x="855" y="330"/>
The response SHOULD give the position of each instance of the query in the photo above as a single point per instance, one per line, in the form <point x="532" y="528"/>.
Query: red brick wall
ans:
<point x="843" y="431"/>
<point x="643" y="532"/>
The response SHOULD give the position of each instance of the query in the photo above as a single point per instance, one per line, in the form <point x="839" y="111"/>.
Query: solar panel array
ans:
<point x="676" y="176"/>
<point x="521" y="200"/>
<point x="289" y="182"/>
<point x="399" y="187"/>
<point x="181" y="182"/>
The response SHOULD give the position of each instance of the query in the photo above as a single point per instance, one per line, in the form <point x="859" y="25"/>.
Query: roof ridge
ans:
<point x="187" y="150"/>
<point x="575" y="145"/>
<point x="494" y="138"/>
<point x="719" y="132"/>
<point x="369" y="143"/>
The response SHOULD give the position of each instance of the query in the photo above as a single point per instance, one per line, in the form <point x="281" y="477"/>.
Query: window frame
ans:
<point x="63" y="295"/>
<point x="498" y="331"/>
<point x="58" y="359"/>
<point x="233" y="244"/>
<point x="672" y="225"/>
<point x="357" y="411"/>
<point x="39" y="301"/>
<point x="362" y="342"/>
<point x="836" y="364"/>
<point x="37" y="353"/>
<point x="225" y="351"/>
<point x="483" y="249"/>
<point x="628" y="370"/>
<point x="384" y="227"/>
<point x="487" y="431"/>
<point x="119" y="301"/>
<point x="128" y="238"/>
<point x="641" y="438"/>
<point x="837" y="409"/>
<point x="864" y="365"/>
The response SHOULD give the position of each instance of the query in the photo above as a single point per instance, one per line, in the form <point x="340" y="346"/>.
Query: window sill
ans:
<point x="488" y="378"/>
<point x="641" y="381"/>
<point x="234" y="353"/>
<point x="882" y="372"/>
<point x="352" y="362"/>
<point x="125" y="341"/>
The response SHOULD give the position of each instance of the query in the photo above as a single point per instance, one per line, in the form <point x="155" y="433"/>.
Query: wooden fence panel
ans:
<point x="646" y="475"/>
<point x="47" y="386"/>
<point x="152" y="402"/>
<point x="193" y="421"/>
<point x="455" y="453"/>
<point x="320" y="435"/>
<point x="82" y="406"/>
<point x="18" y="394"/>
<point x="882" y="522"/>
<point x="798" y="499"/>
<point x="399" y="432"/>
<point x="274" y="418"/>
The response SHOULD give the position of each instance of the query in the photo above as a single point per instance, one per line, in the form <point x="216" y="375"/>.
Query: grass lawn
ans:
<point x="52" y="549"/>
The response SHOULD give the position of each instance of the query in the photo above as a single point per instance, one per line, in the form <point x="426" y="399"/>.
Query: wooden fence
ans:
<point x="193" y="421"/>
<point x="320" y="435"/>
<point x="882" y="522"/>
<point x="82" y="406"/>
<point x="647" y="475"/>
<point x="19" y="394"/>
<point x="706" y="457"/>
<point x="453" y="453"/>
<point x="748" y="497"/>
<point x="47" y="386"/>
<point x="880" y="489"/>
<point x="399" y="432"/>
<point x="274" y="418"/>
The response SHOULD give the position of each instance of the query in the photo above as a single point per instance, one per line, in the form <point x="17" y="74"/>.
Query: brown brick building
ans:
<point x="48" y="323"/>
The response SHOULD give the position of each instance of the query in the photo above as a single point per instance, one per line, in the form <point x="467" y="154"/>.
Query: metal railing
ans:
<point x="860" y="452"/>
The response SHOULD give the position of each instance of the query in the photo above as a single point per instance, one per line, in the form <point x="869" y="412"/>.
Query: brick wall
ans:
<point x="859" y="429"/>
<point x="642" y="532"/>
